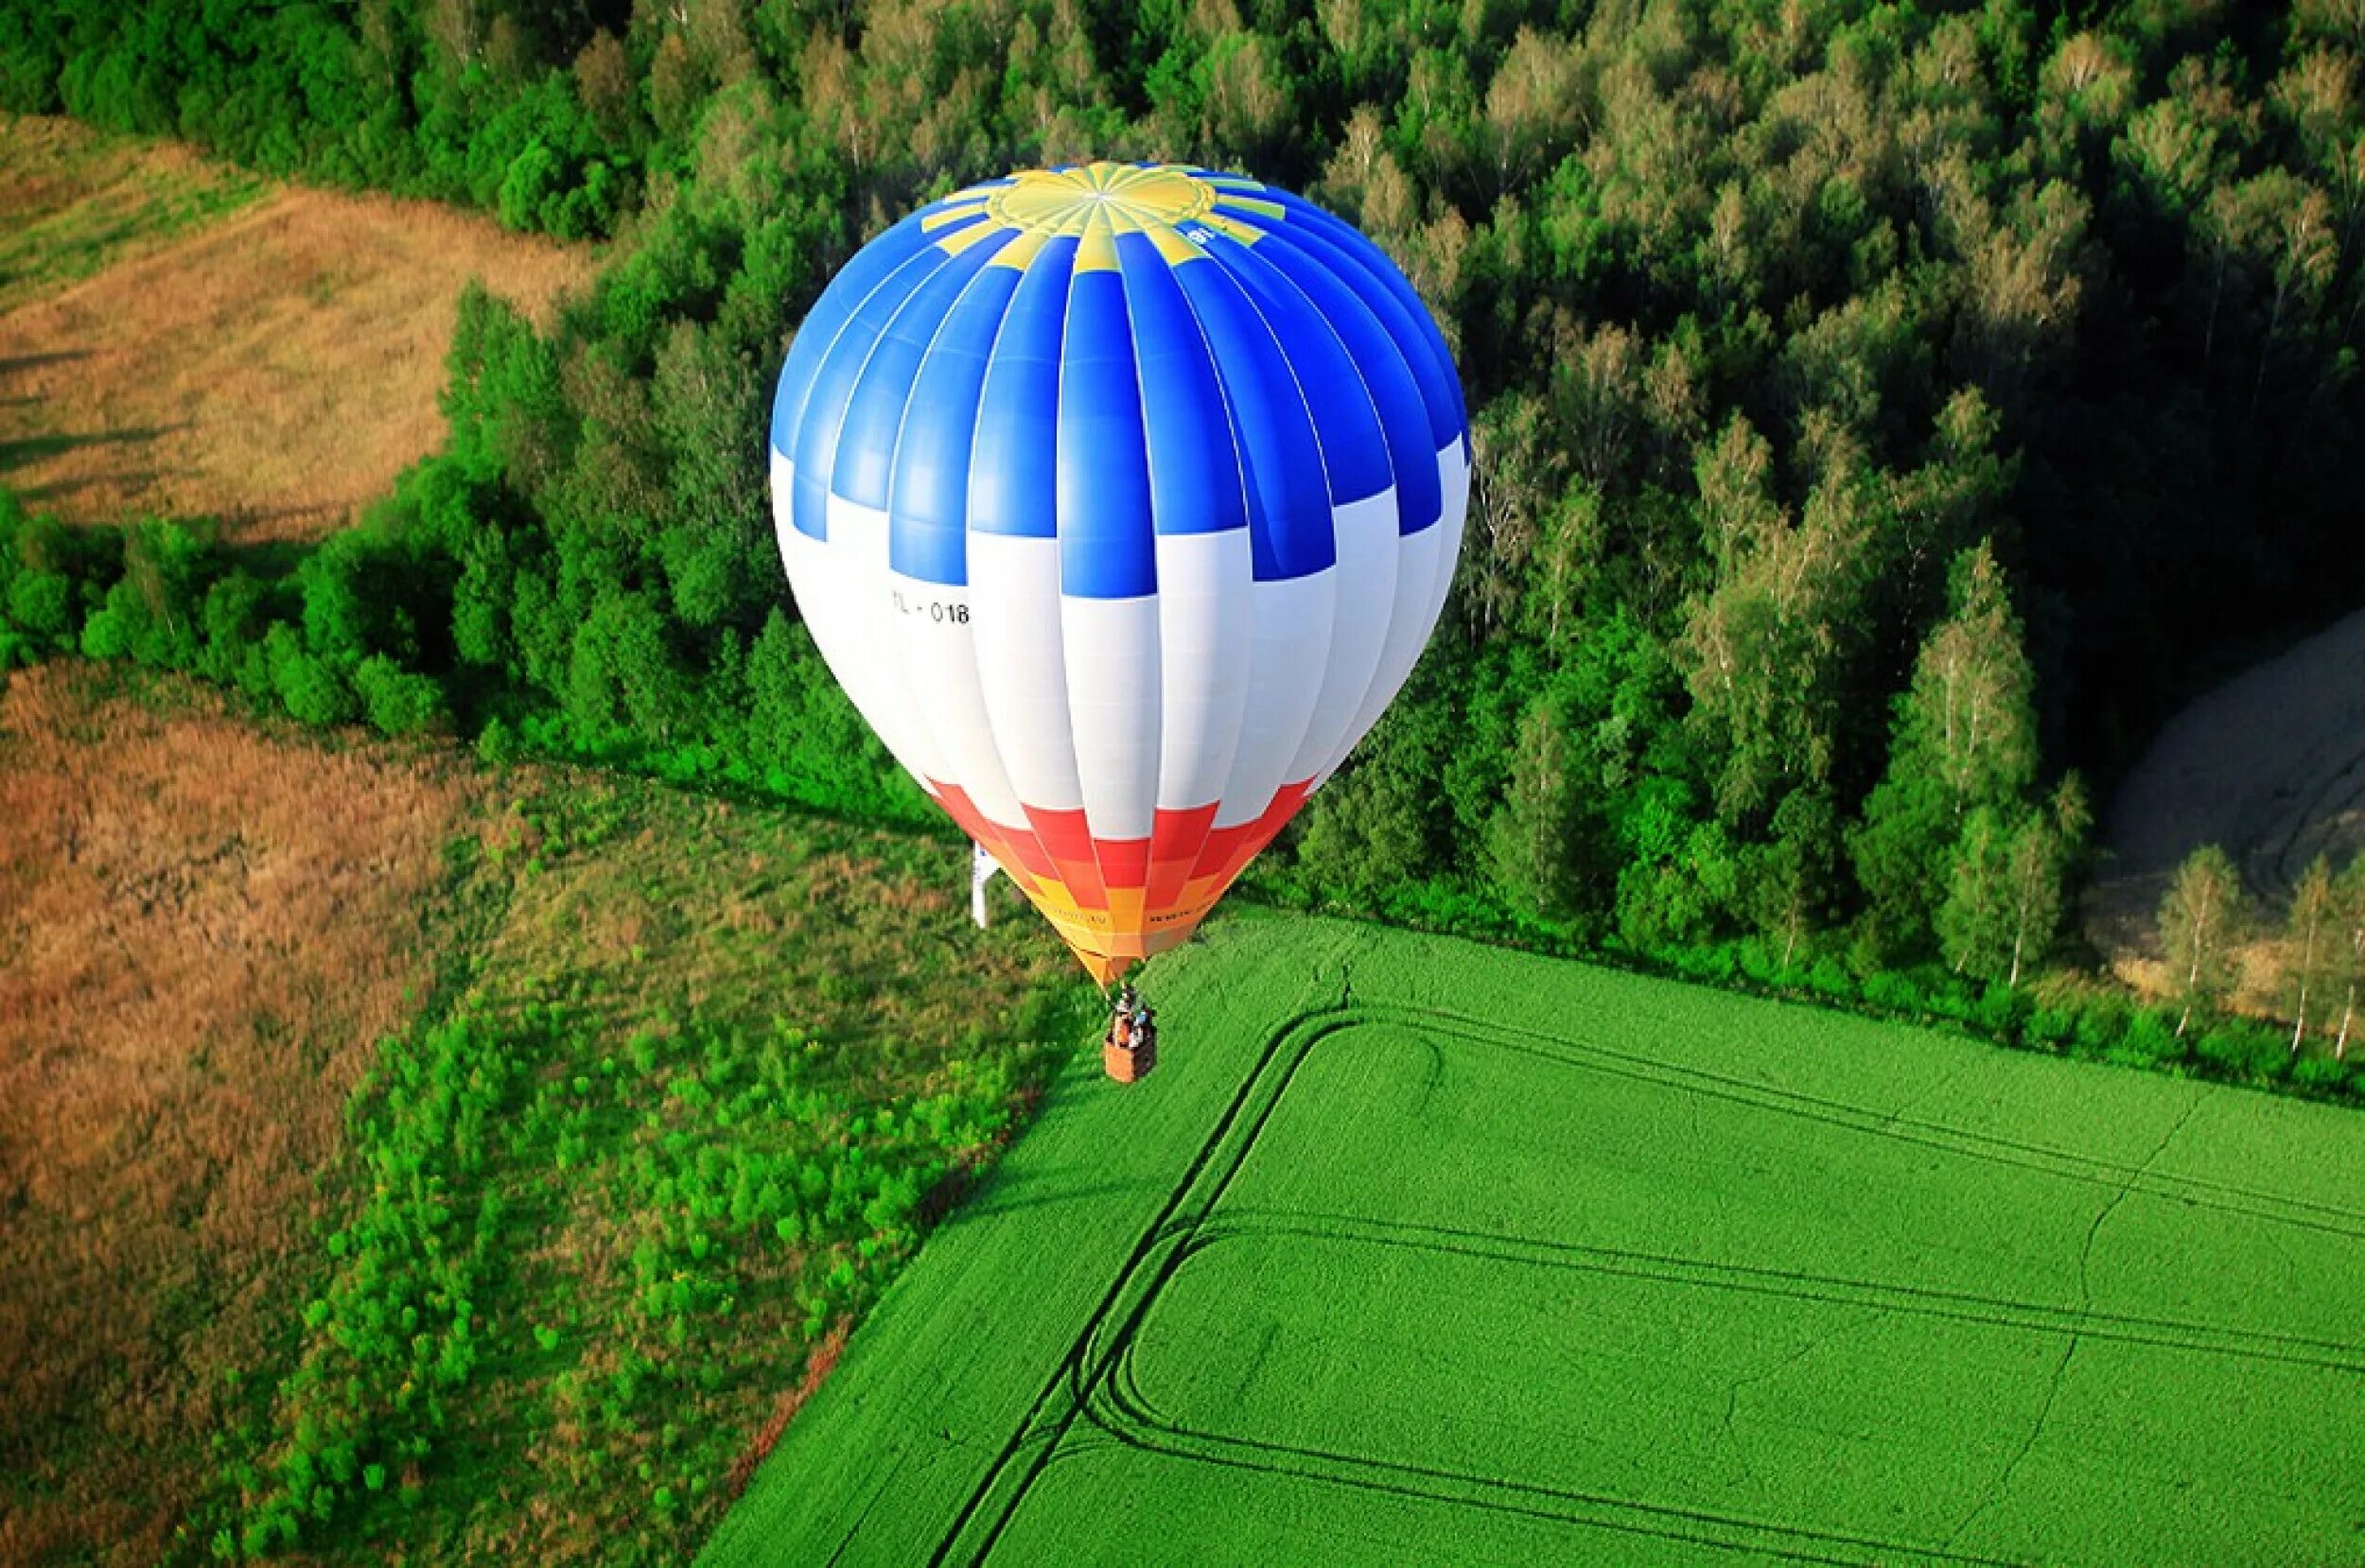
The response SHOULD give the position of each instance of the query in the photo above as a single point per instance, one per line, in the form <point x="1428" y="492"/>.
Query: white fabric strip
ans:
<point x="1289" y="652"/>
<point x="1424" y="565"/>
<point x="826" y="602"/>
<point x="1021" y="673"/>
<point x="861" y="587"/>
<point x="1204" y="632"/>
<point x="930" y="627"/>
<point x="1114" y="709"/>
<point x="1366" y="535"/>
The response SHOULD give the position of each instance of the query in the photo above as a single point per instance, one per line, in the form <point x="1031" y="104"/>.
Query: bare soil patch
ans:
<point x="2269" y="767"/>
<point x="204" y="929"/>
<point x="276" y="369"/>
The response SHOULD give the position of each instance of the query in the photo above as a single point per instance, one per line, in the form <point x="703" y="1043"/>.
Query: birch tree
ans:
<point x="2309" y="933"/>
<point x="2348" y="897"/>
<point x="2201" y="923"/>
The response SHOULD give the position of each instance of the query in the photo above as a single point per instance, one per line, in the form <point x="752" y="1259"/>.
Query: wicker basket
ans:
<point x="1131" y="1061"/>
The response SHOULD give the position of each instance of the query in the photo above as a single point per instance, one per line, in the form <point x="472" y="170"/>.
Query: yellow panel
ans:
<point x="1097" y="250"/>
<point x="1229" y="203"/>
<point x="1022" y="249"/>
<point x="961" y="239"/>
<point x="955" y="210"/>
<point x="1174" y="248"/>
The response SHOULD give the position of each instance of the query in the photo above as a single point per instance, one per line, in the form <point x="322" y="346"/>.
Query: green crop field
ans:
<point x="1415" y="1251"/>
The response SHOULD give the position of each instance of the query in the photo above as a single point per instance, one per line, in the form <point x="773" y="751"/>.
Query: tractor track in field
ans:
<point x="1095" y="1382"/>
<point x="1824" y="1290"/>
<point x="2113" y="1176"/>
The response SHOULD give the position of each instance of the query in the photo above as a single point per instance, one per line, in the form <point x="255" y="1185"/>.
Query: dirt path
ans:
<point x="2269" y="766"/>
<point x="276" y="367"/>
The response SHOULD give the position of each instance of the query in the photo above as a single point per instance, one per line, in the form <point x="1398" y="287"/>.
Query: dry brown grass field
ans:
<point x="274" y="366"/>
<point x="204" y="929"/>
<point x="207" y="932"/>
<point x="78" y="200"/>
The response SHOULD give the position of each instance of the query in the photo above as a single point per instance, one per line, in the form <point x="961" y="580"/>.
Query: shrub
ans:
<point x="2150" y="1039"/>
<point x="41" y="605"/>
<point x="2242" y="1050"/>
<point x="2319" y="1072"/>
<point x="397" y="702"/>
<point x="308" y="686"/>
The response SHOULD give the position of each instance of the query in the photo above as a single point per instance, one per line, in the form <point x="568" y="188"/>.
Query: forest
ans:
<point x="1884" y="414"/>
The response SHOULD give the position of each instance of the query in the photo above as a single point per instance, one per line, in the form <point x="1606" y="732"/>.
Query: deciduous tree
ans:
<point x="2202" y="925"/>
<point x="2309" y="935"/>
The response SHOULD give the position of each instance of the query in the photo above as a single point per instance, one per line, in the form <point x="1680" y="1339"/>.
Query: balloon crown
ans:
<point x="1119" y="196"/>
<point x="1095" y="204"/>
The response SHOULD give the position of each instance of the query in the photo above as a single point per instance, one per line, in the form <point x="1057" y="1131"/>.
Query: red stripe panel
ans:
<point x="1228" y="849"/>
<point x="1124" y="862"/>
<point x="1175" y="841"/>
<point x="1069" y="841"/>
<point x="1014" y="847"/>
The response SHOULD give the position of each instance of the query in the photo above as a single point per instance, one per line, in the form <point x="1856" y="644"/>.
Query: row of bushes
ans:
<point x="758" y="1187"/>
<point x="441" y="102"/>
<point x="361" y="631"/>
<point x="345" y="637"/>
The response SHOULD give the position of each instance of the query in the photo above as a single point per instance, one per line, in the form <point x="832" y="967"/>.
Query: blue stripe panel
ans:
<point x="1420" y="498"/>
<point x="1410" y="323"/>
<point x="928" y="504"/>
<point x="1107" y="548"/>
<point x="874" y="410"/>
<point x="1011" y="470"/>
<point x="1288" y="499"/>
<point x="1354" y="453"/>
<point x="1195" y="482"/>
<point x="824" y="413"/>
<point x="870" y="267"/>
<point x="1257" y="389"/>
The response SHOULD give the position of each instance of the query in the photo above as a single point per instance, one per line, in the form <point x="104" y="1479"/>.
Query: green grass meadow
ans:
<point x="1415" y="1251"/>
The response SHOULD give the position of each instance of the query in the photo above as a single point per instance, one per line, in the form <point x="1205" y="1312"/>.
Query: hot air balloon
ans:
<point x="1120" y="498"/>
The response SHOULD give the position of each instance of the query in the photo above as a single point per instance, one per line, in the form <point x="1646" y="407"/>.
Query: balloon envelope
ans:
<point x="1121" y="500"/>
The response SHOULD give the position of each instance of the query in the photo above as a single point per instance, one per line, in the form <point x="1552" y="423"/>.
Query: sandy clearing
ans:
<point x="2270" y="767"/>
<point x="276" y="369"/>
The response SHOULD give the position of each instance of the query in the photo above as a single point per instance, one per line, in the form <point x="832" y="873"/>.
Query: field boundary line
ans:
<point x="2114" y="1176"/>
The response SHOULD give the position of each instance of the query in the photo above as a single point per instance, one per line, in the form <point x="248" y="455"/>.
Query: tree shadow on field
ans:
<point x="17" y="363"/>
<point x="38" y="448"/>
<point x="1009" y="1193"/>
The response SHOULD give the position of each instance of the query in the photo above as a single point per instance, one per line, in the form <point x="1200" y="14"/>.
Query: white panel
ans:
<point x="933" y="638"/>
<point x="1289" y="654"/>
<point x="1203" y="631"/>
<point x="1113" y="699"/>
<point x="1408" y="623"/>
<point x="1366" y="535"/>
<point x="866" y="664"/>
<point x="1453" y="476"/>
<point x="1014" y="626"/>
<point x="831" y="608"/>
<point x="1425" y="566"/>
